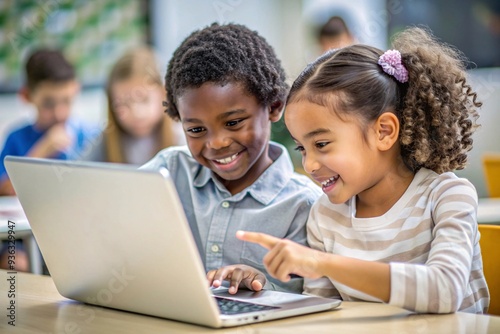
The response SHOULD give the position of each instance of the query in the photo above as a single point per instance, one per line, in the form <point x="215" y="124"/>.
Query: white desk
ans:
<point x="40" y="309"/>
<point x="488" y="211"/>
<point x="12" y="211"/>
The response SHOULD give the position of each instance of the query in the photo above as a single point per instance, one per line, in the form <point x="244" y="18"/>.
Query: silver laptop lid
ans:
<point x="114" y="236"/>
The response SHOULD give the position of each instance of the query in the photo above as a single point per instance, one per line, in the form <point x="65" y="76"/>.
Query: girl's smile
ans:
<point x="329" y="184"/>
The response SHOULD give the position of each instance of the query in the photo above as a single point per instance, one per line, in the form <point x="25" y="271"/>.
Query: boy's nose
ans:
<point x="61" y="113"/>
<point x="217" y="142"/>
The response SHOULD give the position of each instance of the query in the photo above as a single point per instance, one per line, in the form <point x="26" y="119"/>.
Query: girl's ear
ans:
<point x="387" y="130"/>
<point x="275" y="111"/>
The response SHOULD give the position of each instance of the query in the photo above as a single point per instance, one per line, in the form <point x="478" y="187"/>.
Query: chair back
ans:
<point x="490" y="252"/>
<point x="491" y="168"/>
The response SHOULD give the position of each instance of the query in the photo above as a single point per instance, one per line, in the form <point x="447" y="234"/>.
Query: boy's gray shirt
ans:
<point x="277" y="203"/>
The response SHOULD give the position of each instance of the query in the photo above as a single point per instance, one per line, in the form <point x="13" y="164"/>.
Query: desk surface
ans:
<point x="40" y="308"/>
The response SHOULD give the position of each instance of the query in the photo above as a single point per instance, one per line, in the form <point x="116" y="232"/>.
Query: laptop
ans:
<point x="115" y="236"/>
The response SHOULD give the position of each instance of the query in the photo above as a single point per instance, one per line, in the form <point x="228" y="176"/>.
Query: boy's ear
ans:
<point x="275" y="111"/>
<point x="24" y="94"/>
<point x="387" y="130"/>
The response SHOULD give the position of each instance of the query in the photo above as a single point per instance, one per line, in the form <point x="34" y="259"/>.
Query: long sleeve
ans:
<point x="452" y="274"/>
<point x="322" y="286"/>
<point x="429" y="238"/>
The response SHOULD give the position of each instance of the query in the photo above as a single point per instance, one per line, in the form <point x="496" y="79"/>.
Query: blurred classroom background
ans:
<point x="93" y="34"/>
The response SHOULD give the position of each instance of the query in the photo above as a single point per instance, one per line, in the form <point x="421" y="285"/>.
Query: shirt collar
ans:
<point x="267" y="186"/>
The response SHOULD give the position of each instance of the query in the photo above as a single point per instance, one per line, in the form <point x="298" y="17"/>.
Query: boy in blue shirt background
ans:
<point x="226" y="86"/>
<point x="51" y="86"/>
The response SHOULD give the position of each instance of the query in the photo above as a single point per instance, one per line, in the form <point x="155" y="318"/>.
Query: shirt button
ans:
<point x="225" y="205"/>
<point x="215" y="248"/>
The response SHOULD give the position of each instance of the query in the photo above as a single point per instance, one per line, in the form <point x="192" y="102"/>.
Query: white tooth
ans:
<point x="324" y="183"/>
<point x="227" y="160"/>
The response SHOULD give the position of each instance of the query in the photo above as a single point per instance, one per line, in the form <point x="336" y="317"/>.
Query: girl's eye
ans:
<point x="143" y="100"/>
<point x="299" y="148"/>
<point x="321" y="144"/>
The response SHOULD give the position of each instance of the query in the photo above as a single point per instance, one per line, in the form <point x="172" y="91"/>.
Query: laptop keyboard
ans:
<point x="229" y="306"/>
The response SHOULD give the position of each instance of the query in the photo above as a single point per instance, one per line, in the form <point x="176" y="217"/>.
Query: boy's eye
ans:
<point x="196" y="131"/>
<point x="49" y="104"/>
<point x="234" y="122"/>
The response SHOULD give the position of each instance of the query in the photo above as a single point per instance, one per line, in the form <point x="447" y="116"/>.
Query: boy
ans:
<point x="226" y="86"/>
<point x="51" y="87"/>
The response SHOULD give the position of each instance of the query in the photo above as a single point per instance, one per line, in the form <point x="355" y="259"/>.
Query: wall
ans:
<point x="288" y="26"/>
<point x="486" y="82"/>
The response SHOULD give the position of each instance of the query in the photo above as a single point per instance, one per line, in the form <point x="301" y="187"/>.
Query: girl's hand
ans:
<point x="238" y="275"/>
<point x="286" y="257"/>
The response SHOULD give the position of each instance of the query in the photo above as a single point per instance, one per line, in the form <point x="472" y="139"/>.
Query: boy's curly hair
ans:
<point x="222" y="54"/>
<point x="436" y="108"/>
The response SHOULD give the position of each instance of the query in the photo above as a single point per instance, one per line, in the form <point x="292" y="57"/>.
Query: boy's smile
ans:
<point x="228" y="131"/>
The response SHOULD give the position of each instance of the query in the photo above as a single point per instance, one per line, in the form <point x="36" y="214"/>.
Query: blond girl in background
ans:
<point x="137" y="126"/>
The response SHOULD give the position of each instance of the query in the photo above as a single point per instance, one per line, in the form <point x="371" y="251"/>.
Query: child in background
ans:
<point x="137" y="126"/>
<point x="382" y="133"/>
<point x="226" y="86"/>
<point x="334" y="34"/>
<point x="51" y="87"/>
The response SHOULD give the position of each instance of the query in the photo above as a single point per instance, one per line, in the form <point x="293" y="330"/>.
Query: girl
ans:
<point x="382" y="133"/>
<point x="137" y="126"/>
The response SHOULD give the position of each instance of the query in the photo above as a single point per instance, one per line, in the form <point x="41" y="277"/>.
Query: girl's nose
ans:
<point x="310" y="163"/>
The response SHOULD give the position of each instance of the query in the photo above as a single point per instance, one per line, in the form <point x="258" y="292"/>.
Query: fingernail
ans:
<point x="232" y="289"/>
<point x="216" y="283"/>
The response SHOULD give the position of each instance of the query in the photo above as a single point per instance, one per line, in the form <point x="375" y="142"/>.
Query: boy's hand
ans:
<point x="55" y="140"/>
<point x="286" y="257"/>
<point x="238" y="275"/>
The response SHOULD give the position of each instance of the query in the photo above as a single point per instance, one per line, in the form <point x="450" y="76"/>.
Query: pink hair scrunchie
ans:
<point x="392" y="65"/>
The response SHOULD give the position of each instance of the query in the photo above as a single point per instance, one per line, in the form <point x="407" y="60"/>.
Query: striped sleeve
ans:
<point x="322" y="286"/>
<point x="445" y="283"/>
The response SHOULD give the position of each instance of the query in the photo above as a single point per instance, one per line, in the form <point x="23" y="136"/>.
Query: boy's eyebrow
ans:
<point x="219" y="117"/>
<point x="230" y="113"/>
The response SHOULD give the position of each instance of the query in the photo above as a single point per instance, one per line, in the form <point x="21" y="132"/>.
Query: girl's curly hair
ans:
<point x="436" y="108"/>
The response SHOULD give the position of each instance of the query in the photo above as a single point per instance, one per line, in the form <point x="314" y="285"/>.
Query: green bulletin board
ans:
<point x="92" y="35"/>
